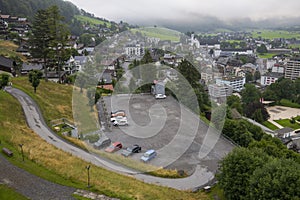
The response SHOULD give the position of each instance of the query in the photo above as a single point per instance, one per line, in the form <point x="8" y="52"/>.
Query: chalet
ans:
<point x="7" y="65"/>
<point x="27" y="67"/>
<point x="54" y="76"/>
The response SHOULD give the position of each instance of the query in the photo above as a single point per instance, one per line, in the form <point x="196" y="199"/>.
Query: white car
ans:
<point x="160" y="96"/>
<point x="122" y="122"/>
<point x="117" y="118"/>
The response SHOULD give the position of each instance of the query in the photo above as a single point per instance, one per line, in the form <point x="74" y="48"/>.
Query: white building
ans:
<point x="218" y="92"/>
<point x="269" y="78"/>
<point x="194" y="41"/>
<point x="134" y="50"/>
<point x="292" y="70"/>
<point x="237" y="83"/>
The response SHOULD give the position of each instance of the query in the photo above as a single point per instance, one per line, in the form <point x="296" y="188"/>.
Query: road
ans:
<point x="36" y="122"/>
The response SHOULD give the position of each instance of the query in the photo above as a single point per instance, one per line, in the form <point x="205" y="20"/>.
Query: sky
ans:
<point x="145" y="12"/>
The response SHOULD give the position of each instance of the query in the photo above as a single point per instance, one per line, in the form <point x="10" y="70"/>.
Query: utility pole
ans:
<point x="88" y="175"/>
<point x="21" y="146"/>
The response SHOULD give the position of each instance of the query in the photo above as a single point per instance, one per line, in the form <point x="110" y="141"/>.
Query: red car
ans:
<point x="114" y="147"/>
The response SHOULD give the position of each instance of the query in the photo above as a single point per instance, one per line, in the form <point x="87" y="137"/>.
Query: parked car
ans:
<point x="160" y="96"/>
<point x="117" y="118"/>
<point x="122" y="122"/>
<point x="116" y="146"/>
<point x="148" y="155"/>
<point x="118" y="113"/>
<point x="130" y="150"/>
<point x="102" y="142"/>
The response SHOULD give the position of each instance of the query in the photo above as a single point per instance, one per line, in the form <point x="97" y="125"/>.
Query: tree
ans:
<point x="278" y="179"/>
<point x="249" y="77"/>
<point x="237" y="168"/>
<point x="34" y="78"/>
<point x="147" y="58"/>
<point x="262" y="49"/>
<point x="250" y="94"/>
<point x="40" y="38"/>
<point x="234" y="101"/>
<point x="4" y="80"/>
<point x="59" y="37"/>
<point x="256" y="75"/>
<point x="48" y="36"/>
<point x="90" y="93"/>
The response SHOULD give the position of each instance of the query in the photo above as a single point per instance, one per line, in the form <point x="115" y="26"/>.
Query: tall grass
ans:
<point x="55" y="165"/>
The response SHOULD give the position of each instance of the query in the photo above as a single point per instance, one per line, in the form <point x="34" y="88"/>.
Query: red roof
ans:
<point x="107" y="87"/>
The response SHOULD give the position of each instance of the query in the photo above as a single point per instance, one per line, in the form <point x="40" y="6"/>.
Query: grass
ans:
<point x="271" y="34"/>
<point x="8" y="193"/>
<point x="8" y="49"/>
<point x="92" y="21"/>
<point x="50" y="163"/>
<point x="157" y="32"/>
<point x="216" y="193"/>
<point x="287" y="123"/>
<point x="138" y="165"/>
<point x="266" y="55"/>
<point x="269" y="125"/>
<point x="288" y="103"/>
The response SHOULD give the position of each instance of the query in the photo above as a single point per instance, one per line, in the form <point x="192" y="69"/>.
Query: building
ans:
<point x="158" y="88"/>
<point x="134" y="50"/>
<point x="292" y="70"/>
<point x="27" y="67"/>
<point x="269" y="78"/>
<point x="7" y="65"/>
<point x="237" y="83"/>
<point x="219" y="92"/>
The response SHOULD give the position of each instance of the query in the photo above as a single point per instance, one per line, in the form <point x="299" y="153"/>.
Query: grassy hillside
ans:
<point x="157" y="32"/>
<point x="55" y="165"/>
<point x="270" y="34"/>
<point x="92" y="21"/>
<point x="8" y="49"/>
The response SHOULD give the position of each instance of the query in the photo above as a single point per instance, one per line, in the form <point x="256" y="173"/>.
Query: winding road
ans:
<point x="36" y="122"/>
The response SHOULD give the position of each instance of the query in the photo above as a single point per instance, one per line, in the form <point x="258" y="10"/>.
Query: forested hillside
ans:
<point x="27" y="8"/>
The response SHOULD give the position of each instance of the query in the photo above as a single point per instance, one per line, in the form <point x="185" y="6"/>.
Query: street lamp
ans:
<point x="21" y="146"/>
<point x="88" y="173"/>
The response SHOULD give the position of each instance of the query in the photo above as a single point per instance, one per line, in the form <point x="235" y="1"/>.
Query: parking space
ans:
<point x="173" y="131"/>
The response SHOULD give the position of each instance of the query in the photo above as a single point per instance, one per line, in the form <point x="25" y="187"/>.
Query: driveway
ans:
<point x="200" y="177"/>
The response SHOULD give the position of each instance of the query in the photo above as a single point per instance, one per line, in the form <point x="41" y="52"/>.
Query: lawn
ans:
<point x="57" y="166"/>
<point x="288" y="103"/>
<point x="271" y="34"/>
<point x="8" y="49"/>
<point x="287" y="123"/>
<point x="158" y="32"/>
<point x="266" y="55"/>
<point x="7" y="193"/>
<point x="269" y="125"/>
<point x="92" y="21"/>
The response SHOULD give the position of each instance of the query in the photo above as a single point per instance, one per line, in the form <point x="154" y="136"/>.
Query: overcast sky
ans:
<point x="143" y="12"/>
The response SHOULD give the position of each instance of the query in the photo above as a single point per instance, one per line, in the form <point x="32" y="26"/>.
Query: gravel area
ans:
<point x="31" y="186"/>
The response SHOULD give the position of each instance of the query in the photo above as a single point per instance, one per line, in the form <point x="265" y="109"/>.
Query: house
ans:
<point x="269" y="78"/>
<point x="106" y="78"/>
<point x="284" y="132"/>
<point x="54" y="76"/>
<point x="158" y="88"/>
<point x="27" y="67"/>
<point x="249" y="67"/>
<point x="7" y="65"/>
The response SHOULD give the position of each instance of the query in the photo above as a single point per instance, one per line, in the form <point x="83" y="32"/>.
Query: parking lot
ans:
<point x="173" y="131"/>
